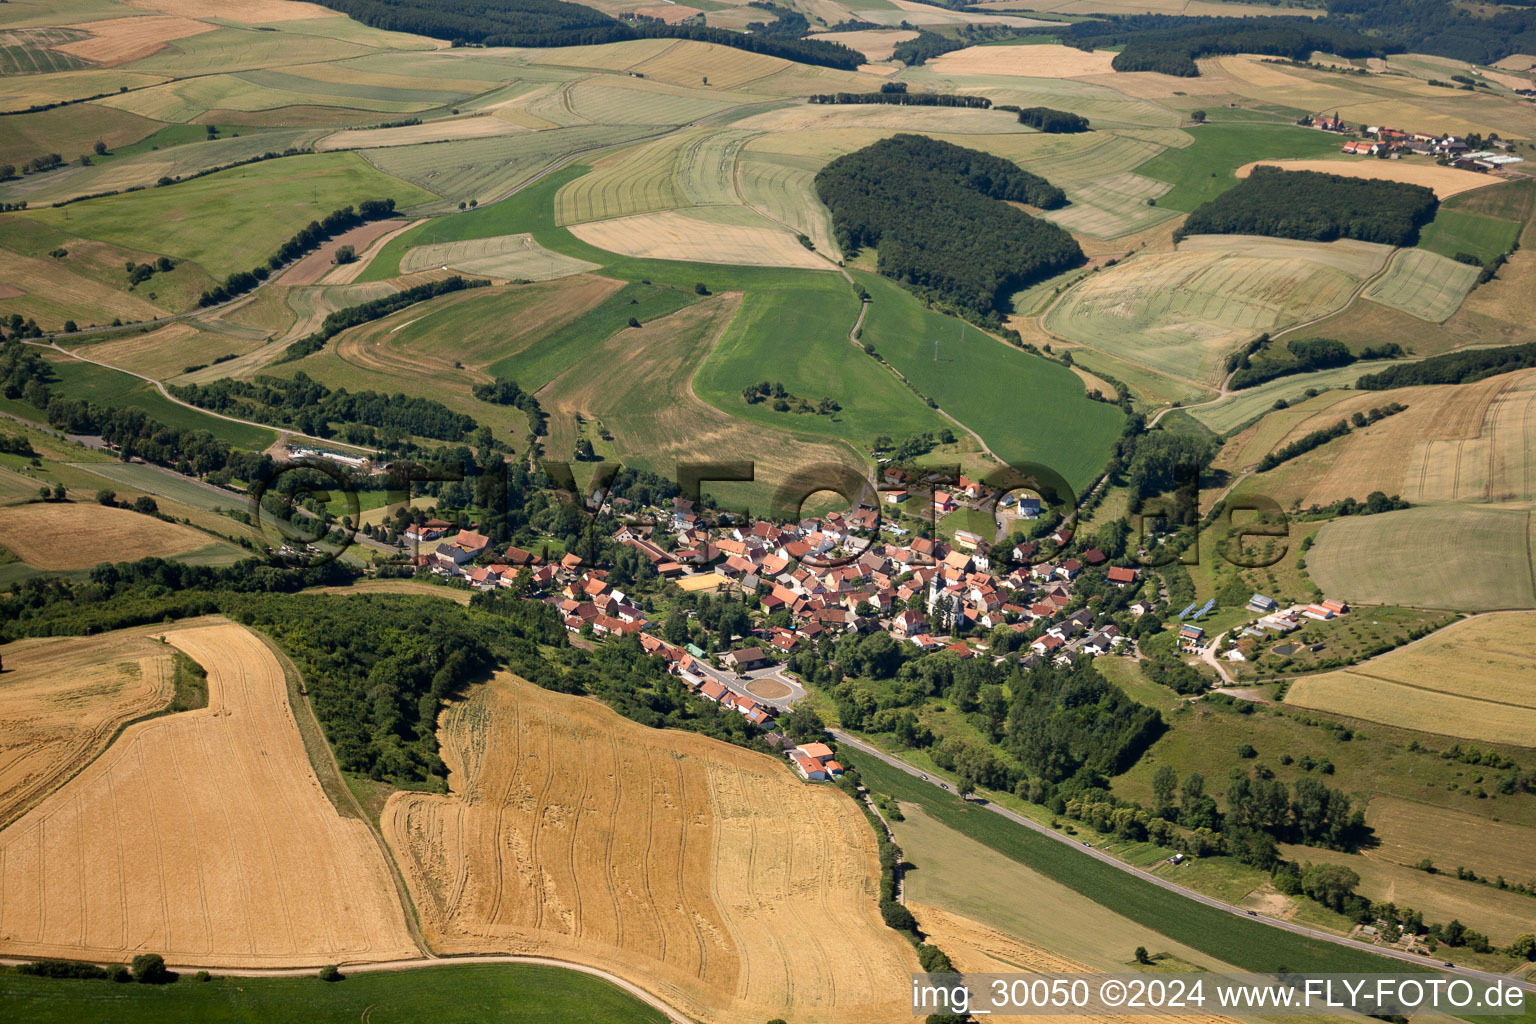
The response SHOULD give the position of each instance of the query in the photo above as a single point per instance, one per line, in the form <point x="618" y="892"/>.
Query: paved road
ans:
<point x="426" y="962"/>
<point x="1209" y="901"/>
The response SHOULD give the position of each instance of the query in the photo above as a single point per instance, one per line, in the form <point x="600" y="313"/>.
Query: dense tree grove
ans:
<point x="311" y="407"/>
<point x="556" y="23"/>
<point x="304" y="241"/>
<point x="1055" y="122"/>
<point x="340" y="320"/>
<point x="1316" y="207"/>
<point x="1453" y="368"/>
<point x="1441" y="27"/>
<point x="935" y="212"/>
<point x="1172" y="43"/>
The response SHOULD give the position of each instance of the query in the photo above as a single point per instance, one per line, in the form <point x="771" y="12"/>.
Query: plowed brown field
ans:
<point x="705" y="873"/>
<point x="203" y="836"/>
<point x="61" y="701"/>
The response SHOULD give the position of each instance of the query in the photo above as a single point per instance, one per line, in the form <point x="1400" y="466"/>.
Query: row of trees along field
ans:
<point x="938" y="216"/>
<point x="1453" y="368"/>
<point x="377" y="309"/>
<point x="1302" y="355"/>
<point x="1172" y="43"/>
<point x="1316" y="207"/>
<point x="896" y="94"/>
<point x="311" y="407"/>
<point x="305" y="240"/>
<point x="1054" y="122"/>
<point x="541" y="23"/>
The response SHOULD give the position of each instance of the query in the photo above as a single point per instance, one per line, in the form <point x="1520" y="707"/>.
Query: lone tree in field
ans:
<point x="330" y="973"/>
<point x="699" y="288"/>
<point x="1141" y="955"/>
<point x="1197" y="116"/>
<point x="149" y="969"/>
<point x="346" y="254"/>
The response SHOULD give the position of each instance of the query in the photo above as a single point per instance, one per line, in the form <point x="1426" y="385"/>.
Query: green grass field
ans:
<point x="461" y="994"/>
<point x="1458" y="231"/>
<point x="794" y="330"/>
<point x="235" y="219"/>
<point x="1462" y="557"/>
<point x="1245" y="944"/>
<point x="1424" y="284"/>
<point x="116" y="389"/>
<point x="556" y="351"/>
<point x="1026" y="408"/>
<point x="1203" y="171"/>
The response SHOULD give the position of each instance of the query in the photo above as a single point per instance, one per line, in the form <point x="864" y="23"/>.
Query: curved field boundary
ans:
<point x="705" y="873"/>
<point x="204" y="835"/>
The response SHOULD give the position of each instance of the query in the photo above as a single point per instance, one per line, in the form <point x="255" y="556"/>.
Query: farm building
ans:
<point x="1260" y="603"/>
<point x="814" y="762"/>
<point x="1191" y="638"/>
<point x="745" y="659"/>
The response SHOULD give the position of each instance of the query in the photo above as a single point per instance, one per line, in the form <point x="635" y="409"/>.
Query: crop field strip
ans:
<point x="64" y="700"/>
<point x="1411" y="831"/>
<point x="639" y="385"/>
<point x="1441" y="556"/>
<point x="1424" y="284"/>
<point x="552" y="841"/>
<point x="1180" y="313"/>
<point x="732" y="235"/>
<point x="142" y="848"/>
<point x="1441" y="448"/>
<point x="504" y="256"/>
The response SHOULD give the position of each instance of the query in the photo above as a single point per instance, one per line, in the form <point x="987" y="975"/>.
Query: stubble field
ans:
<point x="61" y="702"/>
<point x="1475" y="679"/>
<point x="1180" y="313"/>
<point x="75" y="535"/>
<point x="708" y="874"/>
<point x="204" y="836"/>
<point x="1464" y="557"/>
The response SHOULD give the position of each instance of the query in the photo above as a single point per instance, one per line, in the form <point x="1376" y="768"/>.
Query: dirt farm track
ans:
<point x="204" y="836"/>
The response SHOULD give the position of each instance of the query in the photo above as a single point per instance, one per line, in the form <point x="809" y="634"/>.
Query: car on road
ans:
<point x="922" y="776"/>
<point x="943" y="785"/>
<point x="1087" y="844"/>
<point x="1253" y="913"/>
<point x="1447" y="964"/>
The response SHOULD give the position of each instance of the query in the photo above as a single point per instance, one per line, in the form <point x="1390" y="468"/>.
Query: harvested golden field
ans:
<point x="1439" y="449"/>
<point x="511" y="257"/>
<point x="74" y="535"/>
<point x="52" y="294"/>
<point x="1410" y="832"/>
<point x="705" y="873"/>
<point x="1475" y="679"/>
<point x="1044" y="61"/>
<point x="688" y="62"/>
<point x="875" y="44"/>
<point x="120" y="40"/>
<point x="1489" y="463"/>
<point x="477" y="127"/>
<point x="733" y="235"/>
<point x="1445" y="181"/>
<point x="61" y="702"/>
<point x="204" y="836"/>
<point x="252" y="12"/>
<point x="169" y="351"/>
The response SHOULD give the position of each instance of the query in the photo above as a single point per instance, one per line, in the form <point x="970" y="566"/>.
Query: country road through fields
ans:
<point x="1209" y="901"/>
